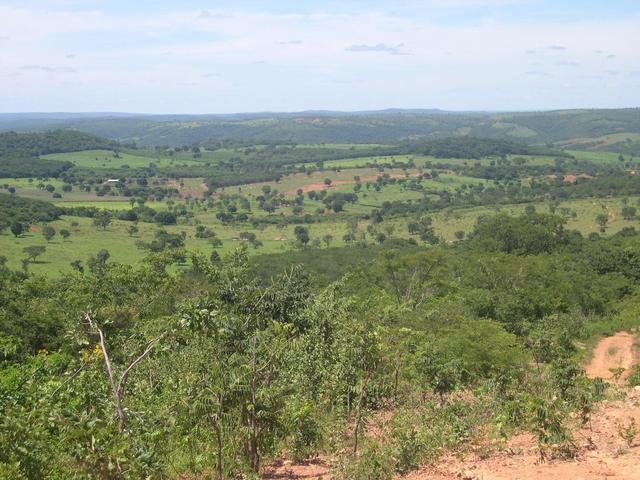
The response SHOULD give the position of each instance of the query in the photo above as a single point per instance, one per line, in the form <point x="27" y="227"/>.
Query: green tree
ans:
<point x="628" y="212"/>
<point x="34" y="251"/>
<point x="17" y="229"/>
<point x="302" y="234"/>
<point x="132" y="229"/>
<point x="98" y="263"/>
<point x="602" y="219"/>
<point x="102" y="219"/>
<point x="48" y="232"/>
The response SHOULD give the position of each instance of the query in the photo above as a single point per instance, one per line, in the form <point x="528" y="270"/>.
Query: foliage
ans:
<point x="18" y="209"/>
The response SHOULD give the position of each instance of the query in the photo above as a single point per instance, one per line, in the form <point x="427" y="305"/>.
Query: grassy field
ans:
<point x="86" y="239"/>
<point x="339" y="179"/>
<point x="32" y="188"/>
<point x="604" y="140"/>
<point x="422" y="160"/>
<point x="108" y="159"/>
<point x="449" y="221"/>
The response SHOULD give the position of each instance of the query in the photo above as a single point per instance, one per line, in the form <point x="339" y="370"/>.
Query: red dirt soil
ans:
<point x="602" y="453"/>
<point x="312" y="470"/>
<point x="611" y="353"/>
<point x="321" y="186"/>
<point x="189" y="192"/>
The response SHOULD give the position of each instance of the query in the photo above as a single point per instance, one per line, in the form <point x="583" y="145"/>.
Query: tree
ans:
<point x="302" y="234"/>
<point x="102" y="219"/>
<point x="34" y="251"/>
<point x="459" y="235"/>
<point x="602" y="219"/>
<point x="349" y="237"/>
<point x="48" y="232"/>
<point x="132" y="229"/>
<point x="17" y="228"/>
<point x="98" y="264"/>
<point x="65" y="234"/>
<point x="77" y="265"/>
<point x="337" y="206"/>
<point x="629" y="212"/>
<point x="327" y="239"/>
<point x="119" y="383"/>
<point x="165" y="218"/>
<point x="327" y="182"/>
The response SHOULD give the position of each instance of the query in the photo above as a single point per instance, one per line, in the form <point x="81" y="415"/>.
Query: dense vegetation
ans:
<point x="471" y="147"/>
<point x="18" y="209"/>
<point x="19" y="151"/>
<point x="54" y="141"/>
<point x="333" y="127"/>
<point x="19" y="167"/>
<point x="143" y="373"/>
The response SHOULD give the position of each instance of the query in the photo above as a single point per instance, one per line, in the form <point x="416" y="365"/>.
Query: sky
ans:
<point x="219" y="56"/>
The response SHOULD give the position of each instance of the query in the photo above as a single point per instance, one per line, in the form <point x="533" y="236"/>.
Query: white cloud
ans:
<point x="378" y="48"/>
<point x="330" y="49"/>
<point x="47" y="69"/>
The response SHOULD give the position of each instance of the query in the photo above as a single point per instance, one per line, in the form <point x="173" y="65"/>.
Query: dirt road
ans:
<point x="612" y="353"/>
<point x="602" y="453"/>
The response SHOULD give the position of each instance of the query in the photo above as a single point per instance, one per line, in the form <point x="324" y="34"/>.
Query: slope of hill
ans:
<point x="339" y="127"/>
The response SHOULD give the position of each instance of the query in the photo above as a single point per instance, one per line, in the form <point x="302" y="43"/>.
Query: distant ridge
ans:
<point x="387" y="126"/>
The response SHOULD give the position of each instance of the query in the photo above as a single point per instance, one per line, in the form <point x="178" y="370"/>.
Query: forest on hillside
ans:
<point x="335" y="127"/>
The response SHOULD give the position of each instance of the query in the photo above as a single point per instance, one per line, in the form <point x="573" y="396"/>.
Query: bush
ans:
<point x="634" y="377"/>
<point x="407" y="449"/>
<point x="306" y="433"/>
<point x="373" y="463"/>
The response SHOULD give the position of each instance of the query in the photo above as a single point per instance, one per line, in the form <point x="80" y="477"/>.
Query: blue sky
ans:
<point x="220" y="56"/>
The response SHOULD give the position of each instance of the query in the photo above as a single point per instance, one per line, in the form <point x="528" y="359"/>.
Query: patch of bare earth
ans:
<point x="611" y="353"/>
<point x="285" y="470"/>
<point x="189" y="192"/>
<point x="602" y="453"/>
<point x="322" y="186"/>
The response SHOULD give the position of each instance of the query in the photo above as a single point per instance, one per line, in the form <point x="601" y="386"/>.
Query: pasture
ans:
<point x="98" y="159"/>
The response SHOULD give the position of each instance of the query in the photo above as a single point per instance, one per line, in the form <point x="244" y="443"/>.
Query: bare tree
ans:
<point x="118" y="385"/>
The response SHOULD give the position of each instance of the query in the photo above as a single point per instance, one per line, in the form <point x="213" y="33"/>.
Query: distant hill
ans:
<point x="19" y="152"/>
<point x="53" y="141"/>
<point x="388" y="126"/>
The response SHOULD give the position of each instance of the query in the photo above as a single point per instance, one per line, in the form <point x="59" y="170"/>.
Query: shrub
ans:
<point x="373" y="463"/>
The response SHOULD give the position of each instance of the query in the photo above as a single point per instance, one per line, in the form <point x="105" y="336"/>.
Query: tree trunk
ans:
<point x="365" y="381"/>
<point x="216" y="427"/>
